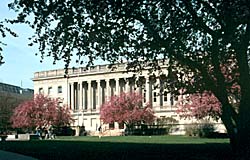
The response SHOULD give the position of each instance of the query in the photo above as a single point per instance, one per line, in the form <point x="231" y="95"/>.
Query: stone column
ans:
<point x="99" y="94"/>
<point x="108" y="91"/>
<point x="85" y="95"/>
<point x="161" y="93"/>
<point x="158" y="91"/>
<point x="122" y="85"/>
<point x="169" y="99"/>
<point x="94" y="94"/>
<point x="117" y="89"/>
<point x="147" y="88"/>
<point x="126" y="88"/>
<point x="158" y="97"/>
<point x="68" y="94"/>
<point x="80" y="96"/>
<point x="89" y="95"/>
<point x="72" y="96"/>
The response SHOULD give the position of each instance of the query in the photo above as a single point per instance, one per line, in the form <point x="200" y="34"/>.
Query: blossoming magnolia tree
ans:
<point x="126" y="108"/>
<point x="205" y="104"/>
<point x="42" y="111"/>
<point x="200" y="106"/>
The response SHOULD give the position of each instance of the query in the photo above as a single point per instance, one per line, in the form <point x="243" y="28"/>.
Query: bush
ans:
<point x="206" y="130"/>
<point x="146" y="130"/>
<point x="202" y="130"/>
<point x="192" y="130"/>
<point x="162" y="127"/>
<point x="64" y="131"/>
<point x="166" y="123"/>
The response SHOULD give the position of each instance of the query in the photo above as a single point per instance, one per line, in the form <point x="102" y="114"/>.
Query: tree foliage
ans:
<point x="8" y="102"/>
<point x="126" y="108"/>
<point x="42" y="111"/>
<point x="3" y="33"/>
<point x="200" y="106"/>
<point x="205" y="104"/>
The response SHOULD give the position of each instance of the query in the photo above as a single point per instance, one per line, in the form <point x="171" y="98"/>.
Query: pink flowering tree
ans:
<point x="199" y="105"/>
<point x="126" y="108"/>
<point x="205" y="104"/>
<point x="42" y="111"/>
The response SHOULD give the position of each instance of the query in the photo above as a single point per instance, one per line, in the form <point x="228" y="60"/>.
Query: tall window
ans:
<point x="165" y="96"/>
<point x="155" y="97"/>
<point x="40" y="90"/>
<point x="172" y="99"/>
<point x="59" y="89"/>
<point x="49" y="90"/>
<point x="144" y="96"/>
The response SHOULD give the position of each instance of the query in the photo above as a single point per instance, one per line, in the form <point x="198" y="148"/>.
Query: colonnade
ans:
<point x="91" y="94"/>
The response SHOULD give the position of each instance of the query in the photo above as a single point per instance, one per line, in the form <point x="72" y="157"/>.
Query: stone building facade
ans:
<point x="85" y="90"/>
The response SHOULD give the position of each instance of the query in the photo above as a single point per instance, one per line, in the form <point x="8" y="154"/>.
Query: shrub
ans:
<point x="166" y="123"/>
<point x="204" y="130"/>
<point x="192" y="130"/>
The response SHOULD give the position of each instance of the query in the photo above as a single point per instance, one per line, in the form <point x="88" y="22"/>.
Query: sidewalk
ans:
<point x="4" y="155"/>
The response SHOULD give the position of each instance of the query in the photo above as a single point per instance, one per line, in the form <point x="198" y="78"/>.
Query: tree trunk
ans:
<point x="231" y="128"/>
<point x="243" y="136"/>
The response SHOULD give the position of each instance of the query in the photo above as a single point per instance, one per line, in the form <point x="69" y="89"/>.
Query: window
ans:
<point x="49" y="90"/>
<point x="155" y="99"/>
<point x="176" y="98"/>
<point x="172" y="99"/>
<point x="59" y="89"/>
<point x="40" y="91"/>
<point x="111" y="125"/>
<point x="121" y="125"/>
<point x="144" y="96"/>
<point x="165" y="96"/>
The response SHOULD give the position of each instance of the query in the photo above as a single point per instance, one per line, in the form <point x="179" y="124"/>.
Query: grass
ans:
<point x="125" y="147"/>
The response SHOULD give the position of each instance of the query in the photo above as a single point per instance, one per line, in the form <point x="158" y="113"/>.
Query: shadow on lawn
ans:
<point x="74" y="150"/>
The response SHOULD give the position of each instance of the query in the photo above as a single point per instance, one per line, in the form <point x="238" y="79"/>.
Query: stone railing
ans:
<point x="81" y="70"/>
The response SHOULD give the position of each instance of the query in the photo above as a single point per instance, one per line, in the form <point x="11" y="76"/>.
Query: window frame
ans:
<point x="59" y="89"/>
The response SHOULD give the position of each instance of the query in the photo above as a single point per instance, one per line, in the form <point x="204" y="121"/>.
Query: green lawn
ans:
<point x="125" y="147"/>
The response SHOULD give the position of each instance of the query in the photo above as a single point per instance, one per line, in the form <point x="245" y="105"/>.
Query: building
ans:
<point x="15" y="90"/>
<point x="85" y="90"/>
<point x="10" y="97"/>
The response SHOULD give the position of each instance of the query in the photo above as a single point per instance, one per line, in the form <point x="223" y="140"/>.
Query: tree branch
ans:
<point x="198" y="21"/>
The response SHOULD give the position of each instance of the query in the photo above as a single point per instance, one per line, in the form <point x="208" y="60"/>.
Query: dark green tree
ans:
<point x="8" y="102"/>
<point x="196" y="38"/>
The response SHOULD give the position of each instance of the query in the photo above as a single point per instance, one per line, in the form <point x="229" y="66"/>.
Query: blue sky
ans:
<point x="20" y="60"/>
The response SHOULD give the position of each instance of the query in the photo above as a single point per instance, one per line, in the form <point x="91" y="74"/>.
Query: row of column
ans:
<point x="90" y="95"/>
